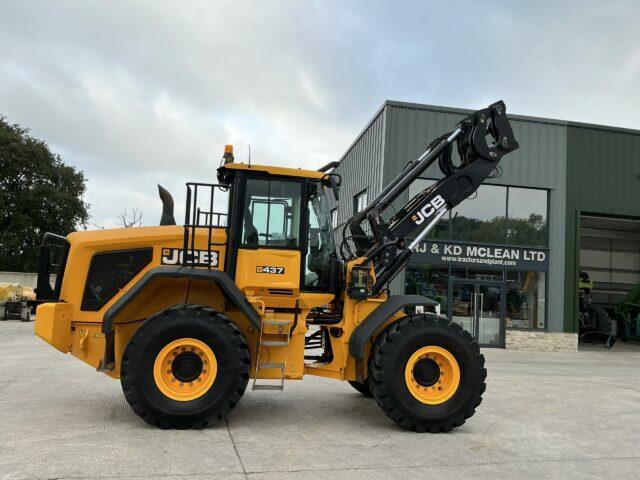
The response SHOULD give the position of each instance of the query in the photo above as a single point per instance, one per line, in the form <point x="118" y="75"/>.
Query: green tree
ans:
<point x="528" y="231"/>
<point x="38" y="194"/>
<point x="516" y="231"/>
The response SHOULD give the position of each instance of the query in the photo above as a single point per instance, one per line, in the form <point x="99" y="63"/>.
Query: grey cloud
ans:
<point x="141" y="92"/>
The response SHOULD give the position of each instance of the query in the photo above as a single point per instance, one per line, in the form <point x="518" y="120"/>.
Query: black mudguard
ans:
<point x="217" y="277"/>
<point x="363" y="333"/>
<point x="220" y="278"/>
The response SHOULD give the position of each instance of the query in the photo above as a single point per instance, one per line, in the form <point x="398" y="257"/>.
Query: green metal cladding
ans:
<point x="603" y="177"/>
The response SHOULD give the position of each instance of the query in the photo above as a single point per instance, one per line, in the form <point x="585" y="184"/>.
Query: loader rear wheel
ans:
<point x="443" y="374"/>
<point x="185" y="367"/>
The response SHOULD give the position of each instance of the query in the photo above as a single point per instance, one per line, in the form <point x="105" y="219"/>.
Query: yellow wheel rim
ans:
<point x="185" y="369"/>
<point x="432" y="375"/>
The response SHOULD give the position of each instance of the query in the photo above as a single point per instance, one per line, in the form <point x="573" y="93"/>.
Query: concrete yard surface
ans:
<point x="544" y="416"/>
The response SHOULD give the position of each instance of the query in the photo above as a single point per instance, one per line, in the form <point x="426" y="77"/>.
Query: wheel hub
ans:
<point x="187" y="366"/>
<point x="185" y="369"/>
<point x="432" y="375"/>
<point x="426" y="372"/>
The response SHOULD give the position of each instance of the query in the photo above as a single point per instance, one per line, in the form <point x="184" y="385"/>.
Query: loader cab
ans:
<point x="280" y="235"/>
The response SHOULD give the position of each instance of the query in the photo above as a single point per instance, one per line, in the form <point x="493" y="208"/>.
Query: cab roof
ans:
<point x="282" y="171"/>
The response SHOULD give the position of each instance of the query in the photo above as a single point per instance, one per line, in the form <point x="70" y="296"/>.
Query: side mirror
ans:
<point x="334" y="181"/>
<point x="314" y="238"/>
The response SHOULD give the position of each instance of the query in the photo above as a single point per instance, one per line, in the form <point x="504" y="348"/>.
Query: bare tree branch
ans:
<point x="135" y="220"/>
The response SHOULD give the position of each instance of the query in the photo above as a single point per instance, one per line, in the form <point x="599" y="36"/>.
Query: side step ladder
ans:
<point x="274" y="335"/>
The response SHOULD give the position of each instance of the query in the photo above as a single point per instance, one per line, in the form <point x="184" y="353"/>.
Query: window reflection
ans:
<point x="495" y="214"/>
<point x="527" y="223"/>
<point x="525" y="299"/>
<point x="431" y="282"/>
<point x="484" y="274"/>
<point x="482" y="218"/>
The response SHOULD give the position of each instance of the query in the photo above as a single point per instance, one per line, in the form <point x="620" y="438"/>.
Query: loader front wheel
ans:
<point x="427" y="373"/>
<point x="363" y="388"/>
<point x="185" y="367"/>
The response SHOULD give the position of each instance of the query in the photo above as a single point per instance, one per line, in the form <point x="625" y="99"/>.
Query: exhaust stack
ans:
<point x="167" y="207"/>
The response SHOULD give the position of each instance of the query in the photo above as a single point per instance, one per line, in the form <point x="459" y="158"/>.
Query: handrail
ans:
<point x="196" y="218"/>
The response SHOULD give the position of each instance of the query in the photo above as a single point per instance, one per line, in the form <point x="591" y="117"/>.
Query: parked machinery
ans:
<point x="185" y="316"/>
<point x="596" y="326"/>
<point x="15" y="302"/>
<point x="628" y="315"/>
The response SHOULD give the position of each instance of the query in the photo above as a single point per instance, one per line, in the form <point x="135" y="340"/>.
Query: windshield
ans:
<point x="321" y="243"/>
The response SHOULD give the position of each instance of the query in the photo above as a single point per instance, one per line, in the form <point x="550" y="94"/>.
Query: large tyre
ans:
<point x="427" y="373"/>
<point x="185" y="367"/>
<point x="363" y="388"/>
<point x="599" y="327"/>
<point x="604" y="323"/>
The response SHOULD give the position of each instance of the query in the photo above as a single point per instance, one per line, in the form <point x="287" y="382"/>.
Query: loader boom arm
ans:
<point x="482" y="139"/>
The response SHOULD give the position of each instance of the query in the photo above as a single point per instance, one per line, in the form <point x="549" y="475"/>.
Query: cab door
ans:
<point x="270" y="241"/>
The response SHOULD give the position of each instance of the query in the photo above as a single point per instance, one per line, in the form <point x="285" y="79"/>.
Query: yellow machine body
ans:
<point x="70" y="329"/>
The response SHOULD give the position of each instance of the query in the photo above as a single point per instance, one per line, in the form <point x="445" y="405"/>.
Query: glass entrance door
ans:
<point x="478" y="308"/>
<point x="463" y="306"/>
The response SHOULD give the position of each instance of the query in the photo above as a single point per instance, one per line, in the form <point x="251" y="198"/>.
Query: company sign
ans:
<point x="478" y="255"/>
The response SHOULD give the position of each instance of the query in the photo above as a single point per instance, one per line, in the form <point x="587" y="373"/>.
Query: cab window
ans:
<point x="320" y="244"/>
<point x="272" y="210"/>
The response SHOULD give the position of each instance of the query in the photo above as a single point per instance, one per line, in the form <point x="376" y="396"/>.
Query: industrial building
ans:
<point x="505" y="263"/>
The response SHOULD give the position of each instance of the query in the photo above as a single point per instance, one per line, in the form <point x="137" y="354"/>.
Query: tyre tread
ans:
<point x="211" y="416"/>
<point x="383" y="350"/>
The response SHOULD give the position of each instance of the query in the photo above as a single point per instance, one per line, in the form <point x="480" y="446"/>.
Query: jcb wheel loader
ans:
<point x="187" y="315"/>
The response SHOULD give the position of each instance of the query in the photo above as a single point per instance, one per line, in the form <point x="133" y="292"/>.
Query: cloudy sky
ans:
<point x="144" y="92"/>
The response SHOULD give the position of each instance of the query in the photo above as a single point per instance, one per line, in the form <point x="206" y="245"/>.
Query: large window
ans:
<point x="109" y="272"/>
<point x="526" y="295"/>
<point x="429" y="281"/>
<point x="482" y="217"/>
<point x="272" y="213"/>
<point x="360" y="201"/>
<point x="527" y="217"/>
<point x="524" y="292"/>
<point x="494" y="214"/>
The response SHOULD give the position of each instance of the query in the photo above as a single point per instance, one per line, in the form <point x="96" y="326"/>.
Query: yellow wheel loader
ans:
<point x="256" y="291"/>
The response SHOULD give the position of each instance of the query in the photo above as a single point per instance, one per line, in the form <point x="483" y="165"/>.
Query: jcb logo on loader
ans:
<point x="204" y="258"/>
<point x="268" y="269"/>
<point x="428" y="210"/>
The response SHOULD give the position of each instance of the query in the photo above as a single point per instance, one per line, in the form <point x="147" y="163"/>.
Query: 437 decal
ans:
<point x="270" y="269"/>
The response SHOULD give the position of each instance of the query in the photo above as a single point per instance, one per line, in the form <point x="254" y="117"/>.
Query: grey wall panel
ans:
<point x="537" y="163"/>
<point x="557" y="227"/>
<point x="360" y="166"/>
<point x="625" y="260"/>
<point x="595" y="259"/>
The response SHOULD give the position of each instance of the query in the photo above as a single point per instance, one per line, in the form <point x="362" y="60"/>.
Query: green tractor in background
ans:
<point x="628" y="315"/>
<point x="596" y="326"/>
